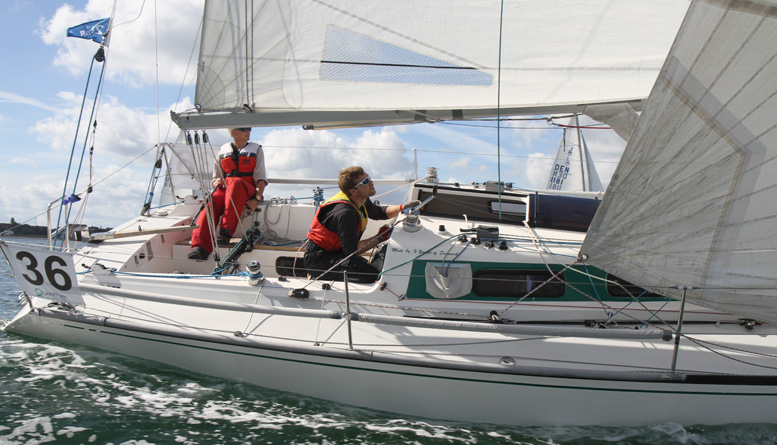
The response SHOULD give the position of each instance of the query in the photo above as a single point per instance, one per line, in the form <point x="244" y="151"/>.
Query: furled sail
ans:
<point x="574" y="168"/>
<point x="692" y="202"/>
<point x="355" y="62"/>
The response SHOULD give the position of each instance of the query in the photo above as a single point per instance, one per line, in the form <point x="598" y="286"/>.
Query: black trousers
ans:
<point x="318" y="260"/>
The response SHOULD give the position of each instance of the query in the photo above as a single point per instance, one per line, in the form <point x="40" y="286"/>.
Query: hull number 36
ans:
<point x="44" y="273"/>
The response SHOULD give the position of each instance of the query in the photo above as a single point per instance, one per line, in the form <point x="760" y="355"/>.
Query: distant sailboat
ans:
<point x="570" y="173"/>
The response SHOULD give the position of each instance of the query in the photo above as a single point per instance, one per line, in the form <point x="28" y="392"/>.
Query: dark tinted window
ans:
<point x="517" y="283"/>
<point x="623" y="289"/>
<point x="290" y="267"/>
<point x="476" y="205"/>
<point x="561" y="212"/>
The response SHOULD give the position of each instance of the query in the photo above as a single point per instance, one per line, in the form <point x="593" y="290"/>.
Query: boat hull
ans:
<point x="416" y="388"/>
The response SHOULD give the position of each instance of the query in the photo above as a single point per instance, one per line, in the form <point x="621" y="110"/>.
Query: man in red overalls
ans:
<point x="238" y="175"/>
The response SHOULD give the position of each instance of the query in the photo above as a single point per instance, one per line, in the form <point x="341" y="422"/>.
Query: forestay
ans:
<point x="692" y="202"/>
<point x="355" y="62"/>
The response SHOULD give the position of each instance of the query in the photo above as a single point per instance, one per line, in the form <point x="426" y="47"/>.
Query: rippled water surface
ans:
<point x="59" y="393"/>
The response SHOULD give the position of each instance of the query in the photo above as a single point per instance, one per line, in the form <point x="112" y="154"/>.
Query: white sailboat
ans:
<point x="490" y="307"/>
<point x="574" y="169"/>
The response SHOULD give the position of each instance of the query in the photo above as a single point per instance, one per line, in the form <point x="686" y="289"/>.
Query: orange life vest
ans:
<point x="239" y="163"/>
<point x="324" y="237"/>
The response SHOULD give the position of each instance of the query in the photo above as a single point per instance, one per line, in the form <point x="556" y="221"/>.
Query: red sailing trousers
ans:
<point x="227" y="206"/>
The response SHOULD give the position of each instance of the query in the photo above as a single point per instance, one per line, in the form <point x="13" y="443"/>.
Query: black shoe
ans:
<point x="199" y="254"/>
<point x="223" y="239"/>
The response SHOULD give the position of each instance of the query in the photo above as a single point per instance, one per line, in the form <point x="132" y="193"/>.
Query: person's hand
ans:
<point x="216" y="182"/>
<point x="384" y="233"/>
<point x="251" y="204"/>
<point x="410" y="204"/>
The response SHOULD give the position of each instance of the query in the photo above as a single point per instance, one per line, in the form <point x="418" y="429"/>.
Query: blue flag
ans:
<point x="94" y="30"/>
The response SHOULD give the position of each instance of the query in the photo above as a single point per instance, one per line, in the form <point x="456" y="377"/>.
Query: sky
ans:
<point x="44" y="81"/>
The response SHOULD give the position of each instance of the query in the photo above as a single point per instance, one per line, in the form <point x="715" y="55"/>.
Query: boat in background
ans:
<point x="494" y="303"/>
<point x="574" y="169"/>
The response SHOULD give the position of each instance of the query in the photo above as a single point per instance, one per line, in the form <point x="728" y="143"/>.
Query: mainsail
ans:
<point x="692" y="202"/>
<point x="355" y="62"/>
<point x="573" y="169"/>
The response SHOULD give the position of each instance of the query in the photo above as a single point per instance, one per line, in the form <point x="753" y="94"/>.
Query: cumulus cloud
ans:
<point x="322" y="154"/>
<point x="535" y="169"/>
<point x="124" y="135"/>
<point x="122" y="132"/>
<point x="117" y="195"/>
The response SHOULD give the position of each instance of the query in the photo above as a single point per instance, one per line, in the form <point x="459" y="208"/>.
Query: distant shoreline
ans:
<point x="23" y="236"/>
<point x="28" y="231"/>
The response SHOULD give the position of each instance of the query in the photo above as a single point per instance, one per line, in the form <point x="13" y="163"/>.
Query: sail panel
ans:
<point x="312" y="56"/>
<point x="691" y="203"/>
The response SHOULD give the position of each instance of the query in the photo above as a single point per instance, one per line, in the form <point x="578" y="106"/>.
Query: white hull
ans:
<point x="353" y="377"/>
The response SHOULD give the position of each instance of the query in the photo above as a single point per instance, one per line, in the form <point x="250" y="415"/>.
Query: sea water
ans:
<point x="59" y="393"/>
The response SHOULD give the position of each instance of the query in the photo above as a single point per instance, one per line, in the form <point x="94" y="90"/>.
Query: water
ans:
<point x="57" y="393"/>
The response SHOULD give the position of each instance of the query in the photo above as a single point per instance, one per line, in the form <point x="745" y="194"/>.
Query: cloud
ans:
<point x="462" y="163"/>
<point x="122" y="132"/>
<point x="6" y="96"/>
<point x="294" y="153"/>
<point x="131" y="52"/>
<point x="113" y="201"/>
<point x="123" y="136"/>
<point x="23" y="161"/>
<point x="322" y="154"/>
<point x="533" y="170"/>
<point x="529" y="133"/>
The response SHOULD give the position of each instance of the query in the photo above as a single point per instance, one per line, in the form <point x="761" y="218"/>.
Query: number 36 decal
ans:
<point x="45" y="274"/>
<point x="53" y="268"/>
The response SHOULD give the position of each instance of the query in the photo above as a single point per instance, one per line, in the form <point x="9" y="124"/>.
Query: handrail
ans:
<point x="470" y="326"/>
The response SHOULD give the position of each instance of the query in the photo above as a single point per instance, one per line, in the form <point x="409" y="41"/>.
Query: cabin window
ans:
<point x="620" y="288"/>
<point x="517" y="283"/>
<point x="480" y="206"/>
<point x="561" y="212"/>
<point x="509" y="208"/>
<point x="288" y="266"/>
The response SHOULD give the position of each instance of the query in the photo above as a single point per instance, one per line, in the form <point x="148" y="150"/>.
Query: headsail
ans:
<point x="574" y="168"/>
<point x="355" y="62"/>
<point x="692" y="202"/>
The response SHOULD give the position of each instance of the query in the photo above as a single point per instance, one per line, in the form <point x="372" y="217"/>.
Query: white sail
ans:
<point x="570" y="172"/>
<point x="692" y="202"/>
<point x="362" y="62"/>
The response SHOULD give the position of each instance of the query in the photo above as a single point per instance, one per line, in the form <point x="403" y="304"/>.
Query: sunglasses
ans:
<point x="245" y="130"/>
<point x="365" y="182"/>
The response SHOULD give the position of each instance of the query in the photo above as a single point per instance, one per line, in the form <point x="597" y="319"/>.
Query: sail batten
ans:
<point x="692" y="200"/>
<point x="302" y="62"/>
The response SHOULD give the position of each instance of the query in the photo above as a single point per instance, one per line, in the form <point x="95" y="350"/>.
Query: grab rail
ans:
<point x="552" y="331"/>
